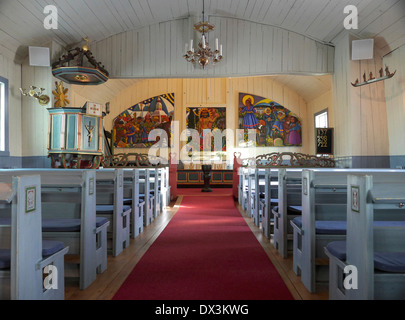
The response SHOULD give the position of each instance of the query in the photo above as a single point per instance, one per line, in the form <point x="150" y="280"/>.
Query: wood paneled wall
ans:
<point x="157" y="51"/>
<point x="360" y="115"/>
<point x="395" y="100"/>
<point x="35" y="118"/>
<point x="12" y="72"/>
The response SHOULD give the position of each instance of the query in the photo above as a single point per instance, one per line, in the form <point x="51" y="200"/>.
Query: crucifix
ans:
<point x="90" y="129"/>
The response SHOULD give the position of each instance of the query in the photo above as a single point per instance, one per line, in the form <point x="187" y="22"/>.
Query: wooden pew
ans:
<point x="110" y="204"/>
<point x="146" y="195"/>
<point x="30" y="268"/>
<point x="250" y="191"/>
<point x="289" y="207"/>
<point x="270" y="200"/>
<point x="257" y="193"/>
<point x="132" y="196"/>
<point x="69" y="215"/>
<point x="164" y="187"/>
<point x="258" y="205"/>
<point x="323" y="220"/>
<point x="375" y="244"/>
<point x="243" y="187"/>
<point x="155" y="186"/>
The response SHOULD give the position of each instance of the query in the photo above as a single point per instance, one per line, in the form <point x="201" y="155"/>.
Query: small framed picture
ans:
<point x="355" y="199"/>
<point x="91" y="186"/>
<point x="305" y="186"/>
<point x="30" y="199"/>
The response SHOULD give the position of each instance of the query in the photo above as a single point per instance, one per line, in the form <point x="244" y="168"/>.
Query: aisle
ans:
<point x="207" y="252"/>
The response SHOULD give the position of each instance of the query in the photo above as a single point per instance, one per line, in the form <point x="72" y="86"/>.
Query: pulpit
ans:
<point x="76" y="137"/>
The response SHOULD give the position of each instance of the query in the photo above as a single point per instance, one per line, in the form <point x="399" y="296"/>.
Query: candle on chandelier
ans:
<point x="203" y="41"/>
<point x="216" y="44"/>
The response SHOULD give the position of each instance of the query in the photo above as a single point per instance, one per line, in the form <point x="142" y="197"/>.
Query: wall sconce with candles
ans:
<point x="42" y="98"/>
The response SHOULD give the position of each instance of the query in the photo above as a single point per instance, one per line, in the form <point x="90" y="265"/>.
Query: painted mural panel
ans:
<point x="132" y="127"/>
<point x="273" y="124"/>
<point x="207" y="121"/>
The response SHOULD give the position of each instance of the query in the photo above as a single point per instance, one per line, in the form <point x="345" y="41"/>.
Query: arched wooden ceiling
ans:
<point x="22" y="21"/>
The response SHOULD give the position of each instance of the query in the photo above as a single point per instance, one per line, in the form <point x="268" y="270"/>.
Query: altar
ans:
<point x="192" y="175"/>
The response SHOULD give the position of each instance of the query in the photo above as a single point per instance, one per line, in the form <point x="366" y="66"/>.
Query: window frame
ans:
<point x="319" y="113"/>
<point x="5" y="83"/>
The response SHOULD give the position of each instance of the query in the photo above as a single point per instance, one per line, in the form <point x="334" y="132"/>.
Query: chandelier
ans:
<point x="204" y="55"/>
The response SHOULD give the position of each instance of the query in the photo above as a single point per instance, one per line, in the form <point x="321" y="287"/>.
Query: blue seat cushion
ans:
<point x="5" y="259"/>
<point x="293" y="210"/>
<point x="337" y="249"/>
<point x="67" y="225"/>
<point x="340" y="227"/>
<point x="274" y="202"/>
<point x="128" y="201"/>
<point x="390" y="261"/>
<point x="142" y="196"/>
<point x="100" y="221"/>
<point x="61" y="225"/>
<point x="325" y="227"/>
<point x="393" y="262"/>
<point x="5" y="221"/>
<point x="49" y="247"/>
<point x="109" y="208"/>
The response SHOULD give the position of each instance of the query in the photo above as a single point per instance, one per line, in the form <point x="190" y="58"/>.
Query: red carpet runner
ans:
<point x="206" y="252"/>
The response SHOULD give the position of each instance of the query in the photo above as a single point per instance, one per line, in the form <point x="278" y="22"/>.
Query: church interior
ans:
<point x="203" y="150"/>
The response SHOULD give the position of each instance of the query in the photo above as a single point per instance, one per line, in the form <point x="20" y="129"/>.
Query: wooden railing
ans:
<point x="288" y="160"/>
<point x="133" y="160"/>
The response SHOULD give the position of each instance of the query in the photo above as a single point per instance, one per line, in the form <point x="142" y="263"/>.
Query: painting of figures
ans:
<point x="273" y="125"/>
<point x="207" y="121"/>
<point x="132" y="127"/>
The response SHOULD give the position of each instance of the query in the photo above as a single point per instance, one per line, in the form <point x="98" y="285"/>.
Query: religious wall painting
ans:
<point x="272" y="124"/>
<point x="132" y="127"/>
<point x="209" y="122"/>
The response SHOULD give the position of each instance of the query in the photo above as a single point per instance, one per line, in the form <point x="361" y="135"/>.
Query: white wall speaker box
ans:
<point x="39" y="57"/>
<point x="363" y="49"/>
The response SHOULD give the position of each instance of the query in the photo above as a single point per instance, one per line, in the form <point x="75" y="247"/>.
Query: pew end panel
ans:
<point x="110" y="205"/>
<point x="375" y="245"/>
<point x="366" y="200"/>
<point x="132" y="191"/>
<point x="30" y="258"/>
<point x="289" y="204"/>
<point x="69" y="215"/>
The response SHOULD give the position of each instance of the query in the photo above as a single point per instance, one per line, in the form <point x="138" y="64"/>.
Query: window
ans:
<point x="321" y="119"/>
<point x="4" y="117"/>
<point x="323" y="138"/>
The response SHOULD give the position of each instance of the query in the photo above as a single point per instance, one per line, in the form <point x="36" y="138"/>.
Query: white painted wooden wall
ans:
<point x="360" y="115"/>
<point x="395" y="100"/>
<point x="250" y="48"/>
<point x="35" y="118"/>
<point x="12" y="72"/>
